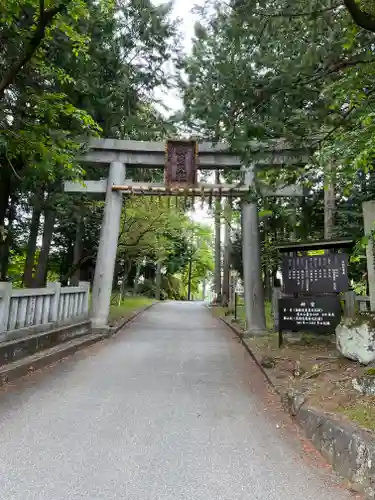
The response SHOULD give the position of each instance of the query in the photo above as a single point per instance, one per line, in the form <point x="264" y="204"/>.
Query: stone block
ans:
<point x="365" y="385"/>
<point x="350" y="450"/>
<point x="356" y="341"/>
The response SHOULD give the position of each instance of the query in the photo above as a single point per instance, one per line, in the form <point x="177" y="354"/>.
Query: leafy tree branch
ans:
<point x="46" y="17"/>
<point x="363" y="19"/>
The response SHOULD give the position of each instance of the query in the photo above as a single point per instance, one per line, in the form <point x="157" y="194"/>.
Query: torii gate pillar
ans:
<point x="252" y="278"/>
<point x="106" y="259"/>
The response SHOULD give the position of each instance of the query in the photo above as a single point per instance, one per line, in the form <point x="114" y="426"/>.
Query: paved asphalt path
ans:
<point x="165" y="410"/>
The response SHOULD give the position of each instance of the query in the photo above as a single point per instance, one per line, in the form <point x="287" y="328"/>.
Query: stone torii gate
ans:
<point x="119" y="154"/>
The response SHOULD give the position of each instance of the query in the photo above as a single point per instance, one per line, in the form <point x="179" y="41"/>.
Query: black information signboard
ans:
<point x="316" y="273"/>
<point x="316" y="314"/>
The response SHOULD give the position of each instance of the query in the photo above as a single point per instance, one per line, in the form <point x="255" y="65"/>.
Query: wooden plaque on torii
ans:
<point x="181" y="163"/>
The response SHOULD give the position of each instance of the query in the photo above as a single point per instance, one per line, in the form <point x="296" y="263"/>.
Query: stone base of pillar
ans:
<point x="108" y="331"/>
<point x="255" y="335"/>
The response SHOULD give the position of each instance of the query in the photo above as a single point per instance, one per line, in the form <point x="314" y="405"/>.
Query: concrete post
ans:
<point x="227" y="253"/>
<point x="5" y="296"/>
<point x="217" y="242"/>
<point x="106" y="259"/>
<point x="368" y="208"/>
<point x="85" y="285"/>
<point x="362" y="304"/>
<point x="53" y="314"/>
<point x="349" y="304"/>
<point x="232" y="290"/>
<point x="252" y="277"/>
<point x="276" y="295"/>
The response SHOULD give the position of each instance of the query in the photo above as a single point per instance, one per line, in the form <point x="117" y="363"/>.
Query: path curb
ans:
<point x="42" y="359"/>
<point x="349" y="449"/>
<point x="115" y="329"/>
<point x="240" y="335"/>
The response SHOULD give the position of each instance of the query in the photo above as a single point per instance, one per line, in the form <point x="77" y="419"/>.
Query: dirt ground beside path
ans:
<point x="314" y="367"/>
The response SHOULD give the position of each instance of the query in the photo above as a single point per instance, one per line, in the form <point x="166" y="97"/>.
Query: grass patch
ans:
<point x="219" y="311"/>
<point x="128" y="306"/>
<point x="269" y="315"/>
<point x="241" y="314"/>
<point x="362" y="413"/>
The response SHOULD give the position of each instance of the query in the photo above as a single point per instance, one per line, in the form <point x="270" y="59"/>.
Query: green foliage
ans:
<point x="200" y="252"/>
<point x="261" y="71"/>
<point x="91" y="70"/>
<point x="258" y="73"/>
<point x="150" y="229"/>
<point x="148" y="289"/>
<point x="173" y="287"/>
<point x="16" y="267"/>
<point x="34" y="144"/>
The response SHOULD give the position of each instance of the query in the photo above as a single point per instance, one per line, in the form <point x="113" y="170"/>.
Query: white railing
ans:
<point x="355" y="303"/>
<point x="363" y="302"/>
<point x="30" y="307"/>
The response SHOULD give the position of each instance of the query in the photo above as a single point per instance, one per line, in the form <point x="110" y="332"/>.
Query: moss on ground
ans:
<point x="309" y="339"/>
<point x="361" y="413"/>
<point x="360" y="319"/>
<point x="219" y="311"/>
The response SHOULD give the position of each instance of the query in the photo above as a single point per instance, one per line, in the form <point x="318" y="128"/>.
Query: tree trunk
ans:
<point x="31" y="247"/>
<point x="136" y="279"/>
<point x="329" y="205"/>
<point x="189" y="277"/>
<point x="120" y="274"/>
<point x="42" y="268"/>
<point x="77" y="252"/>
<point x="158" y="280"/>
<point x="126" y="270"/>
<point x="363" y="18"/>
<point x="293" y="220"/>
<point x="65" y="268"/>
<point x="5" y="187"/>
<point x="204" y="285"/>
<point x="5" y="247"/>
<point x="5" y="190"/>
<point x="227" y="254"/>
<point x="217" y="242"/>
<point x="268" y="282"/>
